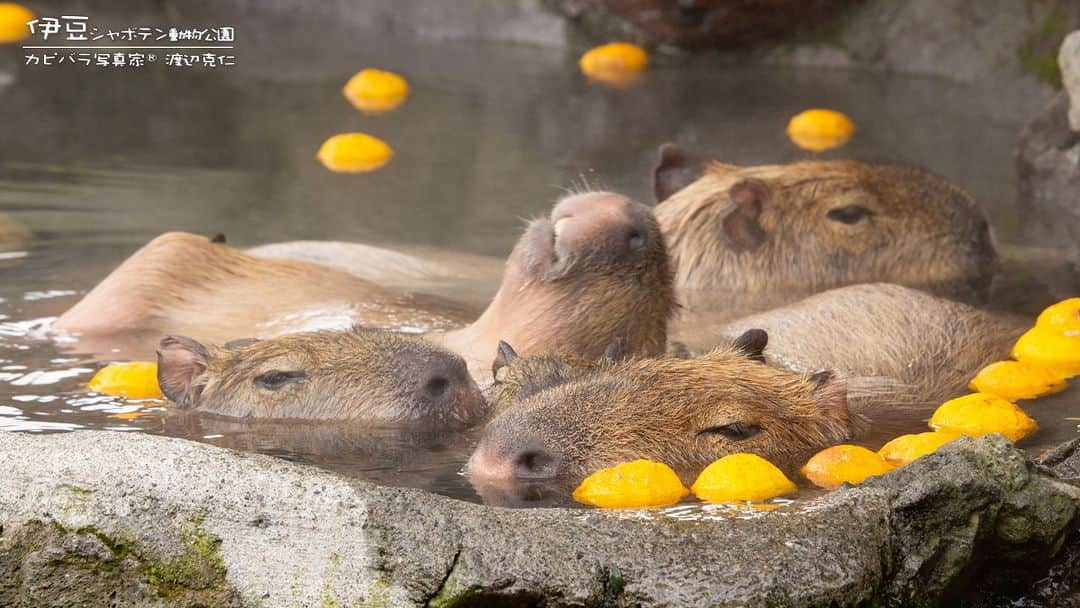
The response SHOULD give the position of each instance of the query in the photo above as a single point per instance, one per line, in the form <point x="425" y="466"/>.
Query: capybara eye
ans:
<point x="636" y="240"/>
<point x="736" y="431"/>
<point x="276" y="379"/>
<point x="849" y="214"/>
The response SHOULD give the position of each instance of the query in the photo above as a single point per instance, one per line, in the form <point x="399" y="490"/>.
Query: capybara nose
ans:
<point x="535" y="463"/>
<point x="436" y="386"/>
<point x="443" y="379"/>
<point x="516" y="458"/>
<point x="601" y="223"/>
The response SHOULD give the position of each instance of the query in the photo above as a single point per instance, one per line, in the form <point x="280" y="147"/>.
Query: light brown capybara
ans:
<point x="895" y="344"/>
<point x="362" y="376"/>
<point x="682" y="412"/>
<point x="746" y="239"/>
<point x="592" y="271"/>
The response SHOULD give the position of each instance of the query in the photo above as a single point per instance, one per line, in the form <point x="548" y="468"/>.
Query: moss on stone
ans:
<point x="199" y="567"/>
<point x="1038" y="50"/>
<point x="378" y="595"/>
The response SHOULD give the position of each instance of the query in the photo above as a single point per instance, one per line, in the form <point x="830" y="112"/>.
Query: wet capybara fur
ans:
<point x="744" y="239"/>
<point x="361" y="376"/>
<point x="894" y="345"/>
<point x="593" y="271"/>
<point x="682" y="412"/>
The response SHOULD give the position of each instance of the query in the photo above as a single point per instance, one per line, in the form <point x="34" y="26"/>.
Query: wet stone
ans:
<point x="170" y="522"/>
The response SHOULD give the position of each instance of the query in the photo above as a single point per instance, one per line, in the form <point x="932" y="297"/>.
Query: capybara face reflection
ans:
<point x="814" y="225"/>
<point x="595" y="270"/>
<point x="686" y="413"/>
<point x="364" y="376"/>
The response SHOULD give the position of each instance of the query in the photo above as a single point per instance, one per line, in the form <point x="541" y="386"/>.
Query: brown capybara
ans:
<point x="899" y="344"/>
<point x="363" y="376"/>
<point x="595" y="270"/>
<point x="515" y="377"/>
<point x="745" y="239"/>
<point x="682" y="412"/>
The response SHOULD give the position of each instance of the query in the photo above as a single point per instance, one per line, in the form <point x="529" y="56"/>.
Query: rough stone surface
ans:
<point x="1069" y="60"/>
<point x="89" y="518"/>
<point x="700" y="24"/>
<point x="1048" y="166"/>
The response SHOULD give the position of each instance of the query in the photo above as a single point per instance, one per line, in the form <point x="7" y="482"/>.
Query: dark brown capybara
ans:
<point x="362" y="376"/>
<point x="745" y="239"/>
<point x="594" y="270"/>
<point x="682" y="412"/>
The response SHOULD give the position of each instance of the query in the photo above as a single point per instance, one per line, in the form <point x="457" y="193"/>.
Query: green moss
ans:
<point x="119" y="548"/>
<point x="1039" y="48"/>
<point x="378" y="595"/>
<point x="327" y="599"/>
<point x="199" y="567"/>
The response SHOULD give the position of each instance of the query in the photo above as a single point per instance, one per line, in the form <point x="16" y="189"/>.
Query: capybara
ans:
<point x="745" y="239"/>
<point x="683" y="412"/>
<point x="595" y="270"/>
<point x="359" y="375"/>
<point x="895" y="344"/>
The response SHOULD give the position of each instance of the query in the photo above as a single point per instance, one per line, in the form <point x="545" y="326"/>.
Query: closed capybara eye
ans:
<point x="277" y="379"/>
<point x="736" y="431"/>
<point x="849" y="214"/>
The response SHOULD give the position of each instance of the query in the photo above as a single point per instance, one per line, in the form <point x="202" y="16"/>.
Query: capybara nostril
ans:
<point x="535" y="463"/>
<point x="436" y="386"/>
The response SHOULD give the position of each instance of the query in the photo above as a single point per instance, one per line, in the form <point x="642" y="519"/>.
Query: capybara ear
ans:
<point x="741" y="225"/>
<point x="504" y="356"/>
<point x="674" y="171"/>
<point x="752" y="343"/>
<point x="181" y="363"/>
<point x="614" y="350"/>
<point x="218" y="238"/>
<point x="239" y="343"/>
<point x="831" y="394"/>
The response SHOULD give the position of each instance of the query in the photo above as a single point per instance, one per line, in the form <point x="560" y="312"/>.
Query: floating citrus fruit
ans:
<point x="1056" y="351"/>
<point x="979" y="413"/>
<point x="1012" y="380"/>
<point x="135" y="380"/>
<point x="641" y="483"/>
<point x="376" y="91"/>
<point x="905" y="448"/>
<point x="13" y="18"/>
<point x="354" y="153"/>
<point x="1063" y="317"/>
<point x="741" y="477"/>
<point x="820" y="130"/>
<point x="618" y="63"/>
<point x="844" y="464"/>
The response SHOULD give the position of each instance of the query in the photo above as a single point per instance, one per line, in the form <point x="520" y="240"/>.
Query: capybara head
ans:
<point x="516" y="377"/>
<point x="683" y="412"/>
<point x="594" y="271"/>
<point x="366" y="376"/>
<point x="813" y="225"/>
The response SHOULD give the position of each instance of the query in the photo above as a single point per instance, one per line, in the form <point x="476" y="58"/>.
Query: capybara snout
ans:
<point x="361" y="375"/>
<point x="602" y="224"/>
